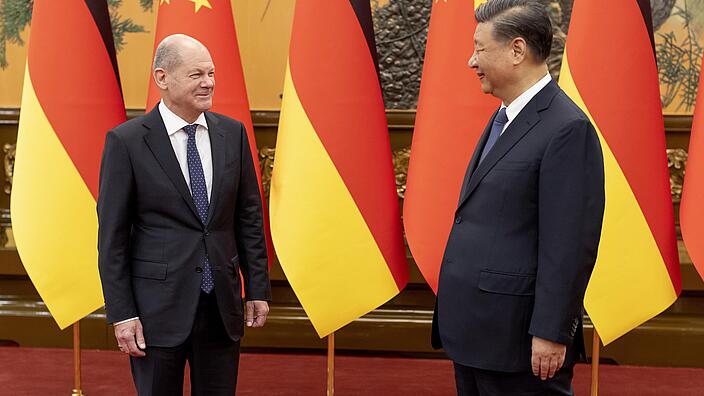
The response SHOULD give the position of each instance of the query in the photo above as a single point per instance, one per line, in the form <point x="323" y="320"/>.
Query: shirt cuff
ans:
<point x="125" y="321"/>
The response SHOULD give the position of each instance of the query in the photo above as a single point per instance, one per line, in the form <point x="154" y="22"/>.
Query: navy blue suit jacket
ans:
<point x="152" y="242"/>
<point x="524" y="240"/>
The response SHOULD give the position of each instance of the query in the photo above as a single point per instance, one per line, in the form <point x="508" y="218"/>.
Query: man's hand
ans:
<point x="256" y="313"/>
<point x="130" y="338"/>
<point x="547" y="357"/>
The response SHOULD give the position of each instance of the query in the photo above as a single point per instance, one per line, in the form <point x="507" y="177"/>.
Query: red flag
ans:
<point x="452" y="113"/>
<point x="211" y="23"/>
<point x="691" y="209"/>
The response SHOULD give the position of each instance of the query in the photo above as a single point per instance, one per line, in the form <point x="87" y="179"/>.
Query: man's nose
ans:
<point x="472" y="60"/>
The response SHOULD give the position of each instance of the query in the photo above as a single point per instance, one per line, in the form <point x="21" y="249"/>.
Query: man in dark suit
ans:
<point x="528" y="221"/>
<point x="180" y="217"/>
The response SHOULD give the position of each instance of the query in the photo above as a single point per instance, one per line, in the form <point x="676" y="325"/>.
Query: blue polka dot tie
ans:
<point x="200" y="196"/>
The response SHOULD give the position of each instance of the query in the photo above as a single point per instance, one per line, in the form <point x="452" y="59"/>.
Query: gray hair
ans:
<point x="166" y="57"/>
<point x="527" y="19"/>
<point x="167" y="54"/>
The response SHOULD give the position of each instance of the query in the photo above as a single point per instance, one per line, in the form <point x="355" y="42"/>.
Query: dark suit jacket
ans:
<point x="152" y="243"/>
<point x="525" y="239"/>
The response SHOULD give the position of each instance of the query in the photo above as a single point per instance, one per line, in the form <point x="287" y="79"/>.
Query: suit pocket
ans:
<point x="148" y="269"/>
<point x="507" y="283"/>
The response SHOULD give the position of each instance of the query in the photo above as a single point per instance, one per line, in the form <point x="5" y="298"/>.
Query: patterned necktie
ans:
<point x="200" y="196"/>
<point x="499" y="121"/>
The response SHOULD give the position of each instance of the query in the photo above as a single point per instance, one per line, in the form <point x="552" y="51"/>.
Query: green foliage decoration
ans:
<point x="15" y="15"/>
<point x="679" y="63"/>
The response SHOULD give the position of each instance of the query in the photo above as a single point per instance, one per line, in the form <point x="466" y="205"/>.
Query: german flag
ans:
<point x="451" y="116"/>
<point x="71" y="98"/>
<point x="211" y="22"/>
<point x="334" y="209"/>
<point x="637" y="273"/>
<point x="691" y="209"/>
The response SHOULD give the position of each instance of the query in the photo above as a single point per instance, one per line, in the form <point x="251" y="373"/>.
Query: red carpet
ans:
<point x="29" y="371"/>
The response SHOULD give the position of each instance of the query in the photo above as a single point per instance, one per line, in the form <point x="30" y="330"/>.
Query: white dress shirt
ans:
<point x="522" y="100"/>
<point x="179" y="139"/>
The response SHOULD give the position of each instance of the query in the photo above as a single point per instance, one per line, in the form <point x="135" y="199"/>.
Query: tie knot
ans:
<point x="190" y="129"/>
<point x="501" y="117"/>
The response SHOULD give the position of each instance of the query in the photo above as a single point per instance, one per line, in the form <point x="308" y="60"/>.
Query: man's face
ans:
<point x="190" y="84"/>
<point x="492" y="60"/>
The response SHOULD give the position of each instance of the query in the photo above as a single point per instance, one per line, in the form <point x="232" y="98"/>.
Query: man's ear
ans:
<point x="160" y="78"/>
<point x="519" y="50"/>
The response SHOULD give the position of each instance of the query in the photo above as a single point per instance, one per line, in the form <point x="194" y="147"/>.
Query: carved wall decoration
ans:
<point x="559" y="37"/>
<point x="9" y="161"/>
<point x="5" y="225"/>
<point x="400" y="159"/>
<point x="400" y="30"/>
<point x="266" y="164"/>
<point x="676" y="161"/>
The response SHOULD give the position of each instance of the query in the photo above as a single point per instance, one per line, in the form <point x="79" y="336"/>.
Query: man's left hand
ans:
<point x="547" y="357"/>
<point x="256" y="313"/>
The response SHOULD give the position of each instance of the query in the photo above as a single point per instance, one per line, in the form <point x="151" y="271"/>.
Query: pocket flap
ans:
<point x="148" y="269"/>
<point x="507" y="283"/>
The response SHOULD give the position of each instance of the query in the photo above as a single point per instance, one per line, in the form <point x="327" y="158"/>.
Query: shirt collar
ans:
<point x="522" y="100"/>
<point x="174" y="123"/>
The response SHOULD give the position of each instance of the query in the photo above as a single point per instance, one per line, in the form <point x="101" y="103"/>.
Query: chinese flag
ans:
<point x="691" y="209"/>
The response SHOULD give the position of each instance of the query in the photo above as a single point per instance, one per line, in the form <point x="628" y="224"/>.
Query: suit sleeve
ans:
<point x="249" y="229"/>
<point x="115" y="216"/>
<point x="570" y="213"/>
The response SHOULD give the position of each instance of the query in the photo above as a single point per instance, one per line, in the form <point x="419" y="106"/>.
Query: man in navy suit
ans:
<point x="180" y="218"/>
<point x="527" y="226"/>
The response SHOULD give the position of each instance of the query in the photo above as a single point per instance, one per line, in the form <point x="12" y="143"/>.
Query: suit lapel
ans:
<point x="519" y="127"/>
<point x="475" y="156"/>
<point x="157" y="140"/>
<point x="217" y="147"/>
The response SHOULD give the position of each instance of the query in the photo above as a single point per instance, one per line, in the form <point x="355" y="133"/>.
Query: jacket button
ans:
<point x="458" y="219"/>
<point x="199" y="270"/>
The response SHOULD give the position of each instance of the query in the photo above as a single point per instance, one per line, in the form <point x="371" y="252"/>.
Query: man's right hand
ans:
<point x="130" y="338"/>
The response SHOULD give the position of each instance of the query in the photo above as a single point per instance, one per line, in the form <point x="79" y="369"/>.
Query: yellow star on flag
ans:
<point x="164" y="1"/>
<point x="201" y="3"/>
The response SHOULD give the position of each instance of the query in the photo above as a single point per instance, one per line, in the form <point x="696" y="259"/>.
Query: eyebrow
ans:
<point x="198" y="70"/>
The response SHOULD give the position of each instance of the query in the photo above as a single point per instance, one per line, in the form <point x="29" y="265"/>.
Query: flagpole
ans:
<point x="331" y="364"/>
<point x="596" y="343"/>
<point x="77" y="360"/>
